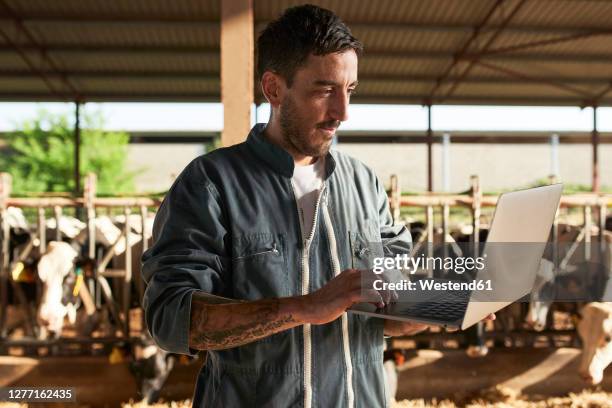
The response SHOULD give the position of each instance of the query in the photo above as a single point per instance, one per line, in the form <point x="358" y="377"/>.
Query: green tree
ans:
<point x="39" y="155"/>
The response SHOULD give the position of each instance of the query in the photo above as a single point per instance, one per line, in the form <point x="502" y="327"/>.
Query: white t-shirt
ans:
<point x="307" y="182"/>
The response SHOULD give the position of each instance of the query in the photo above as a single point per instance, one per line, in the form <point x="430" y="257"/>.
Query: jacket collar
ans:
<point x="276" y="157"/>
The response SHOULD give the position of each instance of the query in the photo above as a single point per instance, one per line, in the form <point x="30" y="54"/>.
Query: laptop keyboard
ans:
<point x="445" y="306"/>
<point x="435" y="310"/>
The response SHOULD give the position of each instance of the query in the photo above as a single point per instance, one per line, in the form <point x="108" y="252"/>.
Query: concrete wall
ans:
<point x="160" y="163"/>
<point x="499" y="166"/>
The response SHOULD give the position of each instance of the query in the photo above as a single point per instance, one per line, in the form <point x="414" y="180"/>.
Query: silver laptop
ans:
<point x="522" y="222"/>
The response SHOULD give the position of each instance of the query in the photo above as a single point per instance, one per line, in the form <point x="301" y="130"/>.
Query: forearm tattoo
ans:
<point x="222" y="326"/>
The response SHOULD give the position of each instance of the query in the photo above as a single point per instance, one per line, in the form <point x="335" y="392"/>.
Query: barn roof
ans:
<point x="527" y="52"/>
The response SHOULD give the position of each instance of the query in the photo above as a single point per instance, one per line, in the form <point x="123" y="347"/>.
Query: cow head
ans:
<point x="595" y="329"/>
<point x="541" y="296"/>
<point x="53" y="267"/>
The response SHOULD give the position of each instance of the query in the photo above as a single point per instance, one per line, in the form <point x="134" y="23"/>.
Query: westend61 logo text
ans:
<point x="411" y="264"/>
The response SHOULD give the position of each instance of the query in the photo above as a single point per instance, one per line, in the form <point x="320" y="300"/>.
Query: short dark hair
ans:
<point x="285" y="44"/>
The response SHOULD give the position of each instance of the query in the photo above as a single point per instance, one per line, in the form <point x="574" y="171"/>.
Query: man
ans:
<point x="284" y="226"/>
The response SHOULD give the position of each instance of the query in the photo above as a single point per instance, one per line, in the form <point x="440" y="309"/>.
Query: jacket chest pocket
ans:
<point x="259" y="266"/>
<point x="365" y="247"/>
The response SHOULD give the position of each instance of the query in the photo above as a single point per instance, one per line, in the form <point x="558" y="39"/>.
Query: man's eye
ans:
<point x="352" y="91"/>
<point x="328" y="91"/>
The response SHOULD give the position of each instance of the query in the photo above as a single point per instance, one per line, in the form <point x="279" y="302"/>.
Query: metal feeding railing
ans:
<point x="474" y="201"/>
<point x="97" y="286"/>
<point x="98" y="295"/>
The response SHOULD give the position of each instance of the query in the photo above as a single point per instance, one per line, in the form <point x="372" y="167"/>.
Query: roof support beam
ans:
<point x="595" y="101"/>
<point x="212" y="51"/>
<point x="532" y="57"/>
<point x="485" y="47"/>
<point x="111" y="74"/>
<point x="237" y="71"/>
<point x="463" y="50"/>
<point x="550" y="41"/>
<point x="205" y="51"/>
<point x="112" y="18"/>
<point x="415" y="99"/>
<point x="43" y="55"/>
<point x="519" y="75"/>
<point x="121" y="17"/>
<point x="213" y="76"/>
<point x="97" y="96"/>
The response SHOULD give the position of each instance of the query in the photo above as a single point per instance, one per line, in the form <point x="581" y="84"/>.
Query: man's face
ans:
<point x="317" y="102"/>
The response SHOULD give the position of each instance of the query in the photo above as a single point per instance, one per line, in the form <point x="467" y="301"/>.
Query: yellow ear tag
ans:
<point x="115" y="356"/>
<point x="19" y="266"/>
<point x="77" y="285"/>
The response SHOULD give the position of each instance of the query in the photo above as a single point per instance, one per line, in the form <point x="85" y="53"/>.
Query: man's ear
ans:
<point x="272" y="86"/>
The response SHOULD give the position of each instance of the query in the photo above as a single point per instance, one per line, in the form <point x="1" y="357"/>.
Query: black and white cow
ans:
<point x="573" y="284"/>
<point x="595" y="330"/>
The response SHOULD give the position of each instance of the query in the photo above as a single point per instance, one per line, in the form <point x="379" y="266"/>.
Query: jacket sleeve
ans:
<point x="396" y="239"/>
<point x="188" y="255"/>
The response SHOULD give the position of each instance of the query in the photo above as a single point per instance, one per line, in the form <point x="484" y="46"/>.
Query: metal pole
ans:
<point x="42" y="230"/>
<point x="395" y="199"/>
<point x="554" y="155"/>
<point x="145" y="246"/>
<point x="429" y="219"/>
<point x="445" y="216"/>
<point x="127" y="282"/>
<point x="429" y="151"/>
<point x="77" y="148"/>
<point x="554" y="234"/>
<point x="588" y="221"/>
<point x="57" y="211"/>
<point x="446" y="162"/>
<point x="476" y="193"/>
<point x="595" y="143"/>
<point x="5" y="191"/>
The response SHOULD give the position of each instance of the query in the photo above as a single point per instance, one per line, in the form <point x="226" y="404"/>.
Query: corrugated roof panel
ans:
<point x="401" y="65"/>
<point x="200" y="34"/>
<point x="480" y="71"/>
<point x="137" y="62"/>
<point x="592" y="44"/>
<point x="555" y="69"/>
<point x="387" y="11"/>
<point x="202" y="8"/>
<point x="512" y="90"/>
<point x="19" y="85"/>
<point x="12" y="61"/>
<point x="566" y="13"/>
<point x="403" y="38"/>
<point x="399" y="39"/>
<point x="393" y="88"/>
<point x="145" y="86"/>
<point x="597" y="44"/>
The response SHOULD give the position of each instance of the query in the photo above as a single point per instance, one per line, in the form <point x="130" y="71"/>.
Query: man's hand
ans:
<point x="397" y="328"/>
<point x="349" y="287"/>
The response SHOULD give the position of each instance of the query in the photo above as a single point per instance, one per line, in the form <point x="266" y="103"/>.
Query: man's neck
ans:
<point x="273" y="134"/>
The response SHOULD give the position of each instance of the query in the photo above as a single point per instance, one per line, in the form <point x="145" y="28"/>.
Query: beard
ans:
<point x="295" y="133"/>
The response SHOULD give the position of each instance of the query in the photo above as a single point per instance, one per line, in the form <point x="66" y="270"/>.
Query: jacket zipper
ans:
<point x="305" y="285"/>
<point x="344" y="318"/>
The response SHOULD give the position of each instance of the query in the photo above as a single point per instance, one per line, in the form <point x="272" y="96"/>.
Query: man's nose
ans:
<point x="339" y="108"/>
